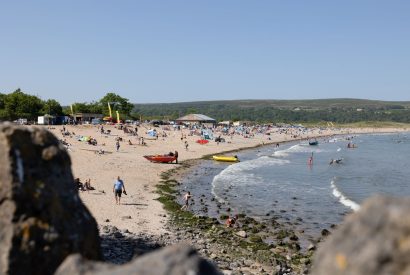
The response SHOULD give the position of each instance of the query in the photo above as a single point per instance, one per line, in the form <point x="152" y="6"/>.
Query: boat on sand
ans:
<point x="226" y="158"/>
<point x="160" y="158"/>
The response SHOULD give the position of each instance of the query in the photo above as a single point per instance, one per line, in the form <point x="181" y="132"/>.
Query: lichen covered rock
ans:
<point x="42" y="218"/>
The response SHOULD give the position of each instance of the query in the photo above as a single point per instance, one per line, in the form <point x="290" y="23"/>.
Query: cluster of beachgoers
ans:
<point x="116" y="158"/>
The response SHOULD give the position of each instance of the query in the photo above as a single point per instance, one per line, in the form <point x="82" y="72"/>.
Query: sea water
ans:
<point x="280" y="182"/>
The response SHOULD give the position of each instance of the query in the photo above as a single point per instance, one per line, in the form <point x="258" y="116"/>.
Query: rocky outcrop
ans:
<point x="375" y="240"/>
<point x="42" y="219"/>
<point x="173" y="260"/>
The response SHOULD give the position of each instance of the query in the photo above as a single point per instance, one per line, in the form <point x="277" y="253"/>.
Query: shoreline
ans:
<point x="288" y="253"/>
<point x="145" y="212"/>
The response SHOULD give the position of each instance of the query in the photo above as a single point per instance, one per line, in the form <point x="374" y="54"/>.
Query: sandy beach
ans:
<point x="139" y="211"/>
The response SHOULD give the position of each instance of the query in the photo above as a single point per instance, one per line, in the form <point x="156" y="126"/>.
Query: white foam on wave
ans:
<point x="241" y="174"/>
<point x="298" y="148"/>
<point x="342" y="199"/>
<point x="245" y="169"/>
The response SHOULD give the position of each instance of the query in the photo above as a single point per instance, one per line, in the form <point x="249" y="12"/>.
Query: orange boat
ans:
<point x="160" y="158"/>
<point x="202" y="141"/>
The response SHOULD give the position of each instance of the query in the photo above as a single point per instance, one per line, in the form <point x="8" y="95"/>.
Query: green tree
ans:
<point x="117" y="103"/>
<point x="21" y="105"/>
<point x="2" y="99"/>
<point x="81" y="108"/>
<point x="52" y="107"/>
<point x="95" y="107"/>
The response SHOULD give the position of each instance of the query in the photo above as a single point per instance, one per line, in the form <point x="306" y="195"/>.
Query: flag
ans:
<point x="118" y="116"/>
<point x="109" y="109"/>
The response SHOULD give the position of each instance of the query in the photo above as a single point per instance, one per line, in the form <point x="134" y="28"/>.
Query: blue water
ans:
<point x="272" y="181"/>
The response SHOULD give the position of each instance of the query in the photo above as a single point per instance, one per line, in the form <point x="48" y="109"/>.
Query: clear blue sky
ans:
<point x="172" y="51"/>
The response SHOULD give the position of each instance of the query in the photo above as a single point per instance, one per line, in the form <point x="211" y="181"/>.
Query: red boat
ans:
<point x="160" y="158"/>
<point x="202" y="141"/>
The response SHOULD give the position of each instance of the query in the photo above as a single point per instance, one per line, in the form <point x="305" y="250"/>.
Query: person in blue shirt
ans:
<point x="117" y="189"/>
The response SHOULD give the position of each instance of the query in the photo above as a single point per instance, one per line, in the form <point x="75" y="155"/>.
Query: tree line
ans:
<point x="18" y="104"/>
<point x="221" y="111"/>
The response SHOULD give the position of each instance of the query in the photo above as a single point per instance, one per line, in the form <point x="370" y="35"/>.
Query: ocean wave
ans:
<point x="342" y="198"/>
<point x="298" y="148"/>
<point x="240" y="174"/>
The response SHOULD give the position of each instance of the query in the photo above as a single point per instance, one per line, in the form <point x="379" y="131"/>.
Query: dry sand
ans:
<point x="140" y="176"/>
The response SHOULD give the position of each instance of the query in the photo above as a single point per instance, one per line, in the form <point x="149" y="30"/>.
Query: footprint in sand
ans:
<point x="142" y="222"/>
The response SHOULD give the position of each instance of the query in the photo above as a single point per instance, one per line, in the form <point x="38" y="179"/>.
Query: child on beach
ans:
<point x="230" y="222"/>
<point x="117" y="145"/>
<point x="187" y="196"/>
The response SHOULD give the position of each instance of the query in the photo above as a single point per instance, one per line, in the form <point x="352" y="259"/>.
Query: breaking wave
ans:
<point x="342" y="198"/>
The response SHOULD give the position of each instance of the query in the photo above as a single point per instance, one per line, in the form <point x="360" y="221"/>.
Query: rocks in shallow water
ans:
<point x="311" y="247"/>
<point x="293" y="237"/>
<point x="173" y="260"/>
<point x="42" y="218"/>
<point x="325" y="232"/>
<point x="374" y="240"/>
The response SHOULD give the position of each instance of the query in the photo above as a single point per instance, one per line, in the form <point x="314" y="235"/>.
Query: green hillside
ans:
<point x="344" y="110"/>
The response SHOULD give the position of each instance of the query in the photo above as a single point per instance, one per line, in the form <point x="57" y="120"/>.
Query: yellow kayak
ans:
<point x="226" y="158"/>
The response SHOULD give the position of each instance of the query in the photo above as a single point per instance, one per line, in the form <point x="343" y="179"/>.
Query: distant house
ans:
<point x="196" y="118"/>
<point x="52" y="120"/>
<point x="45" y="120"/>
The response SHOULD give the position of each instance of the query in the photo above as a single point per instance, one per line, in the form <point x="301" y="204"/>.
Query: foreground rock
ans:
<point x="375" y="240"/>
<point x="42" y="219"/>
<point x="173" y="260"/>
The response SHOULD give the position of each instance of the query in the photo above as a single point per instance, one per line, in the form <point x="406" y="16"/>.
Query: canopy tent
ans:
<point x="196" y="118"/>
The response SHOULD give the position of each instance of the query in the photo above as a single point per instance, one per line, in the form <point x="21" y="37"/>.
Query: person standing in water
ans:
<point x="310" y="160"/>
<point x="187" y="196"/>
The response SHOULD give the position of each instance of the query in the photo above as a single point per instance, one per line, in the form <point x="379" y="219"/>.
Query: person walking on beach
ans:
<point x="176" y="157"/>
<point x="186" y="145"/>
<point x="118" y="189"/>
<point x="187" y="196"/>
<point x="117" y="145"/>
